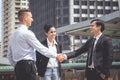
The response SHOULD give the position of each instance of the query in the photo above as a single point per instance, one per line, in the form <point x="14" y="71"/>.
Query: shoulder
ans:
<point x="44" y="41"/>
<point x="106" y="38"/>
<point x="28" y="34"/>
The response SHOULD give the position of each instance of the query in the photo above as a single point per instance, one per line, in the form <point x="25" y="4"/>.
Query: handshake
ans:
<point x="61" y="57"/>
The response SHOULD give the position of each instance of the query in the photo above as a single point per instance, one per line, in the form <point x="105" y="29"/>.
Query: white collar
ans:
<point x="49" y="44"/>
<point x="98" y="36"/>
<point x="23" y="26"/>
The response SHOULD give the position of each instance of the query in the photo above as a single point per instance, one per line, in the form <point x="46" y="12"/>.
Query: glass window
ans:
<point x="107" y="11"/>
<point x="65" y="20"/>
<point x="76" y="2"/>
<point x="84" y="3"/>
<point x="17" y="8"/>
<point x="84" y="18"/>
<point x="115" y="3"/>
<point x="24" y="4"/>
<point x="16" y="23"/>
<point x="59" y="20"/>
<point x="58" y="12"/>
<point x="92" y="11"/>
<point x="65" y="11"/>
<point x="58" y="3"/>
<point x="76" y="19"/>
<point x="107" y="3"/>
<point x="100" y="3"/>
<point x="16" y="13"/>
<point x="17" y="3"/>
<point x="91" y="2"/>
<point x="65" y="3"/>
<point x="84" y="11"/>
<point x="100" y="11"/>
<point x="76" y="11"/>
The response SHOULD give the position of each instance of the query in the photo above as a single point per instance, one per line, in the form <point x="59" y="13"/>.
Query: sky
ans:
<point x="0" y="17"/>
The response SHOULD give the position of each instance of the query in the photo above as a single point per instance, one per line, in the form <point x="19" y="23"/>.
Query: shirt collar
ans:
<point x="49" y="44"/>
<point x="23" y="26"/>
<point x="98" y="36"/>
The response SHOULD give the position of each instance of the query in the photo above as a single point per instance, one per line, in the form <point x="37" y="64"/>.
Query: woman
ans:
<point x="49" y="68"/>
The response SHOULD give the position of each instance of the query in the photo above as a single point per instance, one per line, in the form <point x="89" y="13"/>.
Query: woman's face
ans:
<point x="51" y="34"/>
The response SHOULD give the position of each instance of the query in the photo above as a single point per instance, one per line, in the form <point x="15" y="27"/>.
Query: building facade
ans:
<point x="10" y="20"/>
<point x="82" y="10"/>
<point x="53" y="12"/>
<point x="56" y="12"/>
<point x="66" y="12"/>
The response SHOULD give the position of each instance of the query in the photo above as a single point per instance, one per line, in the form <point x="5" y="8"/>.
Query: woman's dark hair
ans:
<point x="99" y="23"/>
<point x="47" y="27"/>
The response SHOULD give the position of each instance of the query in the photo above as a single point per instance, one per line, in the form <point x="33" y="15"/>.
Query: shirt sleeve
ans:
<point x="34" y="42"/>
<point x="10" y="57"/>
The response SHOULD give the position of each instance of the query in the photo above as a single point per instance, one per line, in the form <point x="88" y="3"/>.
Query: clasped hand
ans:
<point x="60" y="57"/>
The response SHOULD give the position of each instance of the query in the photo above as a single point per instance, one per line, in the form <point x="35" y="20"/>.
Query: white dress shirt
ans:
<point x="52" y="61"/>
<point x="22" y="46"/>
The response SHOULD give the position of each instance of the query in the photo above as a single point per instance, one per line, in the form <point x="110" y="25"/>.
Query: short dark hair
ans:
<point x="22" y="12"/>
<point x="99" y="23"/>
<point x="47" y="27"/>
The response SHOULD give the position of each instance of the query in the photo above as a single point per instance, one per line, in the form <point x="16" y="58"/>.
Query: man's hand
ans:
<point x="60" y="57"/>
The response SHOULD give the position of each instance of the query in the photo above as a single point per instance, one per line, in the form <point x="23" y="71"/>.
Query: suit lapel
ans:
<point x="57" y="46"/>
<point x="58" y="50"/>
<point x="45" y="43"/>
<point x="99" y="41"/>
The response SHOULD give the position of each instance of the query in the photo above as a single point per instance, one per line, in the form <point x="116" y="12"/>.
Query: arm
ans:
<point x="108" y="55"/>
<point x="10" y="57"/>
<point x="33" y="41"/>
<point x="79" y="51"/>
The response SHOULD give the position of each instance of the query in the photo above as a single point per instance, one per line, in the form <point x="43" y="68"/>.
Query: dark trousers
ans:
<point x="25" y="70"/>
<point x="91" y="75"/>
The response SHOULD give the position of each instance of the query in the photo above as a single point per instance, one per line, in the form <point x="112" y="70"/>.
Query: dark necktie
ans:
<point x="92" y="50"/>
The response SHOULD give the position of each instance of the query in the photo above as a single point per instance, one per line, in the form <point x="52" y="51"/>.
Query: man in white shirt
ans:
<point x="21" y="49"/>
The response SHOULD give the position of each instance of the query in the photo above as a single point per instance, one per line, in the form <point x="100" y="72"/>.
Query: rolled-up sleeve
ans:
<point x="10" y="57"/>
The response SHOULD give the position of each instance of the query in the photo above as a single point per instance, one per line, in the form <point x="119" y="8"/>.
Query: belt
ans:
<point x="25" y="61"/>
<point x="91" y="68"/>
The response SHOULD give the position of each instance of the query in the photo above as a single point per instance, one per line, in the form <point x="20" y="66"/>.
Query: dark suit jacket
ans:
<point x="42" y="61"/>
<point x="102" y="56"/>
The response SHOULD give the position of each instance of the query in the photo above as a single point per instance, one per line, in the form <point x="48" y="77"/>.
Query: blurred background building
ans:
<point x="67" y="12"/>
<point x="71" y="18"/>
<point x="10" y="21"/>
<point x="57" y="12"/>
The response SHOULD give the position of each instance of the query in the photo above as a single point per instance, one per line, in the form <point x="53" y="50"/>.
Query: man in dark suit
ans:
<point x="99" y="48"/>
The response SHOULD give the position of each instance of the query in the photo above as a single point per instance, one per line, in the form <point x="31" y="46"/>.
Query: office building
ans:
<point x="66" y="12"/>
<point x="10" y="20"/>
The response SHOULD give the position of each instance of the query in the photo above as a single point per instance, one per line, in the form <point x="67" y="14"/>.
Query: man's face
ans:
<point x="94" y="29"/>
<point x="29" y="18"/>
